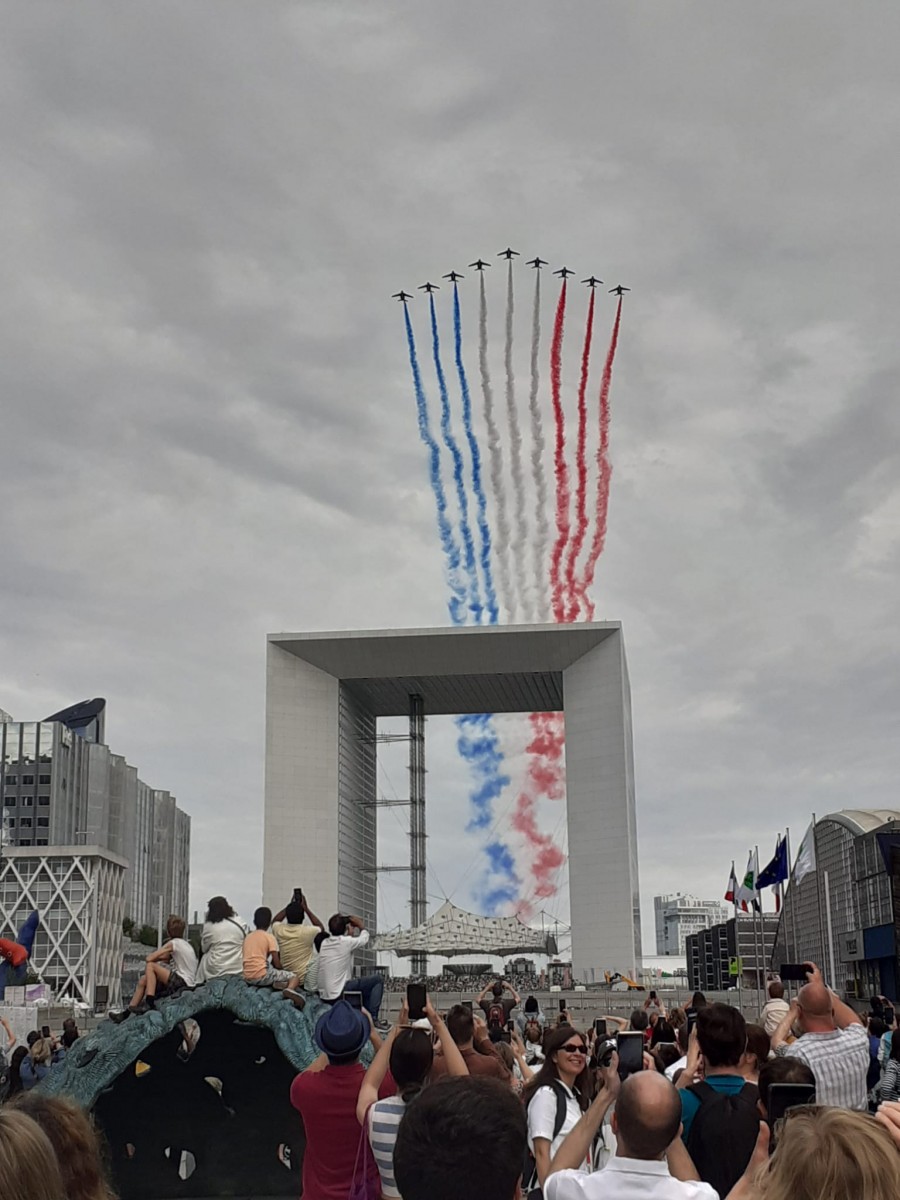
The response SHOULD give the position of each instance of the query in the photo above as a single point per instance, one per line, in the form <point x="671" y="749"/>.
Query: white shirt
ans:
<point x="840" y="1062"/>
<point x="222" y="943"/>
<point x="542" y="1118"/>
<point x="625" y="1179"/>
<point x="184" y="960"/>
<point x="773" y="1014"/>
<point x="672" y="1071"/>
<point x="336" y="960"/>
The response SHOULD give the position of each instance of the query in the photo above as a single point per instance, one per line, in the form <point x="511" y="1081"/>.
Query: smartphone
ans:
<point x="691" y="1020"/>
<point x="45" y="1031"/>
<point x="298" y="895"/>
<point x="416" y="997"/>
<point x="794" y="971"/>
<point x="354" y="999"/>
<point x="600" y="1027"/>
<point x="783" y="1096"/>
<point x="630" y="1048"/>
<point x="653" y="995"/>
<point x="510" y="1026"/>
<point x="562" y="1005"/>
<point x="467" y="1004"/>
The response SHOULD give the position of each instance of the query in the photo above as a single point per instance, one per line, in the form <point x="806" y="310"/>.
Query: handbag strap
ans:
<point x="363" y="1136"/>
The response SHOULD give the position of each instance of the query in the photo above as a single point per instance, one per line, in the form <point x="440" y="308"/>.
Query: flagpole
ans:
<point x="819" y="903"/>
<point x="757" y="914"/>
<point x="794" y="951"/>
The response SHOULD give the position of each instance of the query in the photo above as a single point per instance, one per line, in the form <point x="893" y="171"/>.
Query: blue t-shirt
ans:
<point x="729" y="1085"/>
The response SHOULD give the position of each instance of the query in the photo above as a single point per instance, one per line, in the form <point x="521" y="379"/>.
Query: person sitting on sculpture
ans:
<point x="262" y="961"/>
<point x="169" y="970"/>
<point x="296" y="941"/>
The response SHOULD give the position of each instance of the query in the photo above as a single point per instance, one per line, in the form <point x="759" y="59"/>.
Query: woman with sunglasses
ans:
<point x="565" y="1075"/>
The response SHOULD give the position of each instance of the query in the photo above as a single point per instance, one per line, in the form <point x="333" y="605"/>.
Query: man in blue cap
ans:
<point x="325" y="1095"/>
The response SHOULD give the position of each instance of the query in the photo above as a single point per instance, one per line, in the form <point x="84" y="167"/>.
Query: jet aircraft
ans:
<point x="507" y="253"/>
<point x="453" y="276"/>
<point x="592" y="281"/>
<point x="479" y="264"/>
<point x="537" y="263"/>
<point x="402" y="296"/>
<point x="429" y="287"/>
<point x="564" y="271"/>
<point x="618" y="289"/>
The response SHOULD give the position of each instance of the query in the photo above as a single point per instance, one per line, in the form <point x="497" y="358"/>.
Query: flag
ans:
<point x="775" y="873"/>
<point x="747" y="894"/>
<point x="732" y="887"/>
<point x="805" y="863"/>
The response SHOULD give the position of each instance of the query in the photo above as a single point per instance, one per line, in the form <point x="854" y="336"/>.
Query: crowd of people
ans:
<point x="495" y="1095"/>
<point x="450" y="982"/>
<point x="21" y="1067"/>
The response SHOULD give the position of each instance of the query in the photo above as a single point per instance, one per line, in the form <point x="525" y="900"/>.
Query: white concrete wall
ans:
<point x="603" y="878"/>
<point x="301" y="811"/>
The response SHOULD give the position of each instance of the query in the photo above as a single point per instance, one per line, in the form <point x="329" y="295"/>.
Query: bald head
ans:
<point x="816" y="1004"/>
<point x="647" y="1116"/>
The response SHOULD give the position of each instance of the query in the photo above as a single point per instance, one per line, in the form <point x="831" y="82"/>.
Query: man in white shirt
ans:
<point x="169" y="970"/>
<point x="651" y="1162"/>
<point x="346" y="935"/>
<point x="776" y="1010"/>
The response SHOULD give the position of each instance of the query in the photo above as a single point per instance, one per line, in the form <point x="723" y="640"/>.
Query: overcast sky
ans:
<point x="208" y="431"/>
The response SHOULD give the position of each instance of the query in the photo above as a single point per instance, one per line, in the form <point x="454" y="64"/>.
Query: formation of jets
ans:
<point x="509" y="254"/>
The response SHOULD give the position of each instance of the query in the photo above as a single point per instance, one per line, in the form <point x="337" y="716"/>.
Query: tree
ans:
<point x="147" y="936"/>
<point x="128" y="927"/>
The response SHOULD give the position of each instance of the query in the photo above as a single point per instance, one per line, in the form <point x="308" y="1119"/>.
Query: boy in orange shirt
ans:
<point x="262" y="962"/>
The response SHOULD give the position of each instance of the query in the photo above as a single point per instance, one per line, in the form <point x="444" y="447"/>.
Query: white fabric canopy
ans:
<point x="451" y="931"/>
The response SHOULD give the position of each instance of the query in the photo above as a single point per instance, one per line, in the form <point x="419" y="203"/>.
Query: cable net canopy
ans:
<point x="451" y="931"/>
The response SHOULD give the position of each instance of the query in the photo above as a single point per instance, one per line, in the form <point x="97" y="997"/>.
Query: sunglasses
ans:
<point x="572" y="1048"/>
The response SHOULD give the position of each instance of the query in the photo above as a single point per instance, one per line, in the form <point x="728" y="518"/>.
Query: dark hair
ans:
<point x="262" y="918"/>
<point x="15" y="1065"/>
<point x="758" y="1044"/>
<point x="294" y="913"/>
<point x="412" y="1057"/>
<point x="69" y="1038"/>
<point x="662" y="1033"/>
<point x="776" y="990"/>
<point x="175" y="927"/>
<point x="435" y="1155"/>
<point x="642" y="1138"/>
<point x="782" y="1069"/>
<point x="665" y="1055"/>
<point x="638" y="1020"/>
<point x="219" y="910"/>
<point x="584" y="1083"/>
<point x="497" y="989"/>
<point x="34" y="1036"/>
<point x="877" y="1027"/>
<point x="698" y="1001"/>
<point x="337" y="925"/>
<point x="531" y="1005"/>
<point x="895" y="1046"/>
<point x="460" y="1024"/>
<point x="722" y="1035"/>
<point x="73" y="1137"/>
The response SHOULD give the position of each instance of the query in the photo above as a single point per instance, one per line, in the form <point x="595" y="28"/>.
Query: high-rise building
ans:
<point x="63" y="790"/>
<point x="678" y="916"/>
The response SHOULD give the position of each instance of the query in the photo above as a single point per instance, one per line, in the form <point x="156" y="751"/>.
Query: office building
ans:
<point x="844" y="914"/>
<point x="678" y="916"/>
<point x="64" y="791"/>
<point x="733" y="953"/>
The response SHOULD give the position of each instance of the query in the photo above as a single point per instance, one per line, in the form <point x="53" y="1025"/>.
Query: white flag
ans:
<point x="805" y="862"/>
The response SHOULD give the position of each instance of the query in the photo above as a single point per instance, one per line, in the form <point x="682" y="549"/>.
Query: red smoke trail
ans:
<point x="559" y="458"/>
<point x="581" y="517"/>
<point x="546" y="777"/>
<point x="604" y="468"/>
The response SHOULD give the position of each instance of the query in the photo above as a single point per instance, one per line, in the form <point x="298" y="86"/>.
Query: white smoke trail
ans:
<point x="503" y="538"/>
<point x="540" y="545"/>
<point x="515" y="448"/>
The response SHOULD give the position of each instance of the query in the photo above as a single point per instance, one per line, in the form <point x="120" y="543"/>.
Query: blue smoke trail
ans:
<point x="478" y="745"/>
<point x="456" y="604"/>
<point x="452" y="445"/>
<point x="477" y="484"/>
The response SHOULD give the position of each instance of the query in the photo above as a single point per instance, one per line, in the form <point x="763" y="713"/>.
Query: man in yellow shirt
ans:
<point x="262" y="963"/>
<point x="296" y="941"/>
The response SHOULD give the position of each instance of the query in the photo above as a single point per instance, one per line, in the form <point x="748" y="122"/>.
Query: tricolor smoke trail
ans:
<point x="503" y="531"/>
<point x="546" y="777"/>
<point x="560" y="466"/>
<point x="541" y="543"/>
<point x="581" y="469"/>
<point x="468" y="545"/>
<point x="604" y="471"/>
<point x="484" y="530"/>
<point x="515" y="442"/>
<point x="457" y="601"/>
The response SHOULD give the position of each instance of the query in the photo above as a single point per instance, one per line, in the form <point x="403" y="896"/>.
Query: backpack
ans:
<point x="530" y="1186"/>
<point x="723" y="1134"/>
<point x="496" y="1016"/>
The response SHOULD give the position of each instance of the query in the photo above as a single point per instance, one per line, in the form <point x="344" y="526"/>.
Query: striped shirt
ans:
<point x="384" y="1120"/>
<point x="840" y="1062"/>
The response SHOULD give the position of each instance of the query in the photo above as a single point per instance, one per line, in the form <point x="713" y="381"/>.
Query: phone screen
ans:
<point x="45" y="1031"/>
<point x="510" y="1026"/>
<point x="415" y="1000"/>
<point x="794" y="971"/>
<point x="600" y="1027"/>
<point x="354" y="999"/>
<point x="467" y="1004"/>
<point x="691" y="1020"/>
<point x="562" y="1005"/>
<point x="298" y="895"/>
<point x="630" y="1048"/>
<point x="783" y="1096"/>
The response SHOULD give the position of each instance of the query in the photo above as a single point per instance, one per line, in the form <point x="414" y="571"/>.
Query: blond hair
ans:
<point x="76" y="1145"/>
<point x="831" y="1152"/>
<point x="28" y="1166"/>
